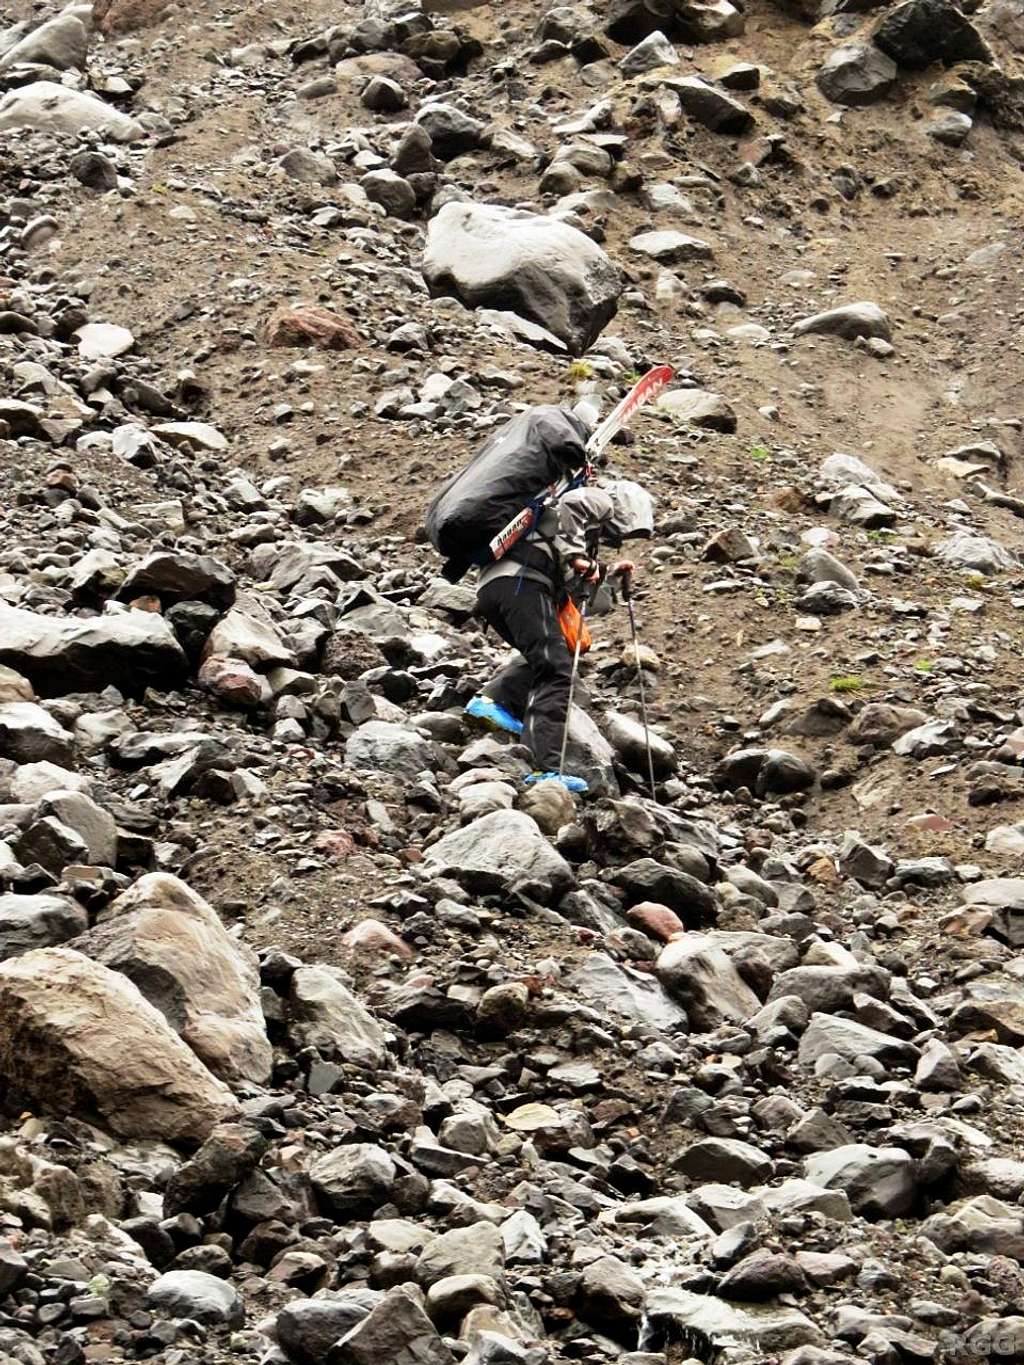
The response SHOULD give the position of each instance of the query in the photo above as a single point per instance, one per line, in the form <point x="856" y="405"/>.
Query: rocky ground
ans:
<point x="320" y="1041"/>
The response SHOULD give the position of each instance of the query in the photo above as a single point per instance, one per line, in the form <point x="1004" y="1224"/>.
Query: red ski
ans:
<point x="643" y="391"/>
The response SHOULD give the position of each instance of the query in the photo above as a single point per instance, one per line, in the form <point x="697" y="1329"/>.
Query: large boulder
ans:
<point x="632" y="743"/>
<point x="382" y="746"/>
<point x="497" y="851"/>
<point x="77" y="1038"/>
<point x="849" y="321"/>
<point x="132" y="649"/>
<point x="41" y="921"/>
<point x="537" y="267"/>
<point x="398" y="1331"/>
<point x="709" y="105"/>
<point x="692" y="21"/>
<point x="62" y="43"/>
<point x="724" y="1327"/>
<point x="703" y="978"/>
<point x="165" y="938"/>
<point x="308" y="1328"/>
<point x="197" y="1296"/>
<point x="830" y="1035"/>
<point x="29" y="734"/>
<point x="919" y="32"/>
<point x="52" y="108"/>
<point x="353" y="1180"/>
<point x="880" y="1182"/>
<point x="323" y="1013"/>
<point x="175" y="576"/>
<point x="857" y="74"/>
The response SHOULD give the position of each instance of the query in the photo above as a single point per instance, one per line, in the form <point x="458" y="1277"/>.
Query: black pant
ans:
<point x="535" y="687"/>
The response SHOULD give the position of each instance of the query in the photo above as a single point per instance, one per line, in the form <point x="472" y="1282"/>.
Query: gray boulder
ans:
<point x="198" y="1296"/>
<point x="134" y="649"/>
<point x="866" y="863"/>
<point x="497" y="851"/>
<point x="52" y="844"/>
<point x="849" y="321"/>
<point x="879" y="723"/>
<point x="655" y="50"/>
<point x="710" y="106"/>
<point x="308" y="1328"/>
<point x="980" y="554"/>
<point x="857" y="74"/>
<point x="28" y="922"/>
<point x="827" y="1034"/>
<point x="397" y="1331"/>
<point x="353" y="1180"/>
<point x="322" y="1012"/>
<point x="950" y="129"/>
<point x="879" y="1182"/>
<point x="175" y="576"/>
<point x="720" y="1326"/>
<point x="93" y="825"/>
<point x="700" y="975"/>
<point x="920" y="32"/>
<point x="982" y="1224"/>
<point x="392" y="192"/>
<point x="381" y="746"/>
<point x="727" y="1160"/>
<point x="668" y="246"/>
<point x="542" y="269"/>
<point x="818" y="566"/>
<point x="474" y="1250"/>
<point x="627" y="738"/>
<point x="29" y="734"/>
<point x="62" y="43"/>
<point x="636" y="996"/>
<point x="451" y="131"/>
<point x="53" y="108"/>
<point x="590" y="755"/>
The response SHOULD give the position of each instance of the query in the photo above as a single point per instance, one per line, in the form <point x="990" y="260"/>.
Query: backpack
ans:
<point x="529" y="459"/>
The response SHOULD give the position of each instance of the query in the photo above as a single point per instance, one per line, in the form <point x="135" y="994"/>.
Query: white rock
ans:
<point x="54" y="108"/>
<point x="103" y="341"/>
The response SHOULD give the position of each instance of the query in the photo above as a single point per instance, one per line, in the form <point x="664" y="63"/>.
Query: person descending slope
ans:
<point x="526" y="598"/>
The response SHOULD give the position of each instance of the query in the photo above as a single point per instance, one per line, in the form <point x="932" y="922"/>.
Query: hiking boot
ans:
<point x="492" y="715"/>
<point x="572" y="784"/>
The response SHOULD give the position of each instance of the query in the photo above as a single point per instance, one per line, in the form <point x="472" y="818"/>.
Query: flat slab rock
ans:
<point x="134" y="649"/>
<point x="707" y="1325"/>
<point x="50" y="107"/>
<point x="634" y="995"/>
<point x="496" y="851"/>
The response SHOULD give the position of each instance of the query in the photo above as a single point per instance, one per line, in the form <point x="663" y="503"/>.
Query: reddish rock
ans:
<point x="310" y="326"/>
<point x="935" y="824"/>
<point x="966" y="922"/>
<point x="370" y="938"/>
<point x="233" y="681"/>
<point x="122" y="16"/>
<point x="335" y="843"/>
<point x="657" y="920"/>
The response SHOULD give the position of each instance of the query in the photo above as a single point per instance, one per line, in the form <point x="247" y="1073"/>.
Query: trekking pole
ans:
<point x="627" y="595"/>
<point x="572" y="682"/>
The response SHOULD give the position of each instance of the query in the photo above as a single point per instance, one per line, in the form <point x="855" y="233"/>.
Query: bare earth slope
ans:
<point x="736" y="1075"/>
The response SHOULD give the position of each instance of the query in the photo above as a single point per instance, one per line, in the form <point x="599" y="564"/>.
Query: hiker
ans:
<point x="521" y="595"/>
